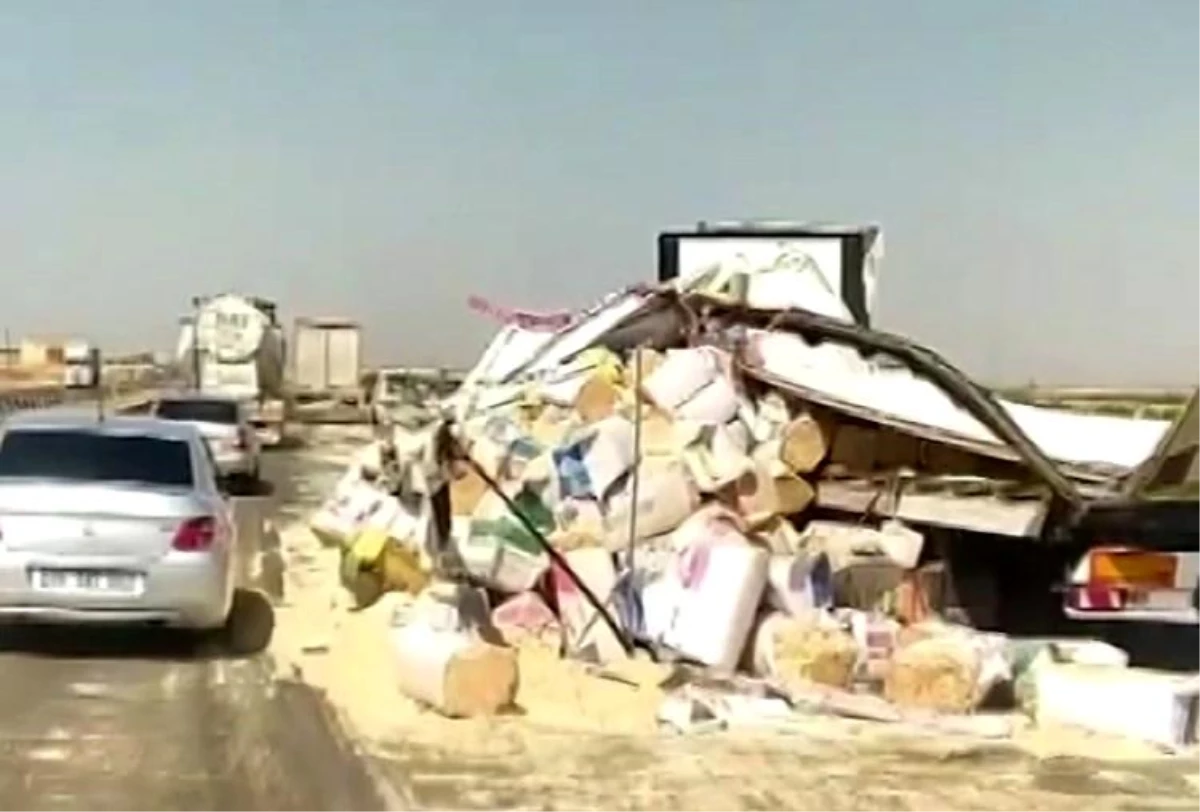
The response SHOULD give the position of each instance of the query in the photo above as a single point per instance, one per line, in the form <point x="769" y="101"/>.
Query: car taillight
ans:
<point x="195" y="535"/>
<point x="241" y="442"/>
<point x="1097" y="598"/>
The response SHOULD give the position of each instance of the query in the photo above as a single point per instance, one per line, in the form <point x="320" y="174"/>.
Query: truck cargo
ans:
<point x="327" y="359"/>
<point x="233" y="345"/>
<point x="1108" y="536"/>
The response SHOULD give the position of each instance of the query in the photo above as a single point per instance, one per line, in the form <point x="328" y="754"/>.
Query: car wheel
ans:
<point x="249" y="626"/>
<point x="237" y="484"/>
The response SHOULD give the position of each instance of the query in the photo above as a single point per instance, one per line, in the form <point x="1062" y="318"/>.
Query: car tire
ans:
<point x="237" y="484"/>
<point x="246" y="484"/>
<point x="248" y="627"/>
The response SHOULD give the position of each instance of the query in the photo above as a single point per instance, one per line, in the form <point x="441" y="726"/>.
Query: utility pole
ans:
<point x="95" y="370"/>
<point x="196" y="343"/>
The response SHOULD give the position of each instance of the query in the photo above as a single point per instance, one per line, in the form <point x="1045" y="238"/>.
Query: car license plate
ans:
<point x="97" y="581"/>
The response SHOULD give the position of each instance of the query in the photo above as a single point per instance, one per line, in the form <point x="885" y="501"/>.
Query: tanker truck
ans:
<point x="233" y="346"/>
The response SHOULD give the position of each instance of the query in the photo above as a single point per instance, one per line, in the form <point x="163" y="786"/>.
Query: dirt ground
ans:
<point x="580" y="742"/>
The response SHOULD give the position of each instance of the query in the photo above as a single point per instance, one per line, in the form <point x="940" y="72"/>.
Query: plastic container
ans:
<point x="341" y="518"/>
<point x="798" y="583"/>
<point x="497" y="549"/>
<point x="720" y="586"/>
<point x="901" y="543"/>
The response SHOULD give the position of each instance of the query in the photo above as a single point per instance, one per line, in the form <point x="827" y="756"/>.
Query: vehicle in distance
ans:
<point x="113" y="520"/>
<point x="224" y="424"/>
<point x="407" y="397"/>
<point x="326" y="359"/>
<point x="234" y="346"/>
<point x="81" y="365"/>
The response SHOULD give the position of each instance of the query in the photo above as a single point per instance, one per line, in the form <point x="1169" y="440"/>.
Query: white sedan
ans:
<point x="114" y="520"/>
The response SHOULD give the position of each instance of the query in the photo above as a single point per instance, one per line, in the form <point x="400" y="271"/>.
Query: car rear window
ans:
<point x="91" y="457"/>
<point x="201" y="411"/>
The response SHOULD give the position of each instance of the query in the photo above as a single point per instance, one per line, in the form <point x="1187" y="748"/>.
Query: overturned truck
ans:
<point x="1036" y="520"/>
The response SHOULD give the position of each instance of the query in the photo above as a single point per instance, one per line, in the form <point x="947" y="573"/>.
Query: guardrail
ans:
<point x="122" y="393"/>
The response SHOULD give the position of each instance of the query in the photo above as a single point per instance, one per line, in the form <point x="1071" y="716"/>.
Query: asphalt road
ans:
<point x="108" y="719"/>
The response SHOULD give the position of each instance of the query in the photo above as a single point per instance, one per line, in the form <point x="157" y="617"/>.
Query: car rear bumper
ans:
<point x="185" y="590"/>
<point x="1179" y="617"/>
<point x="115" y="617"/>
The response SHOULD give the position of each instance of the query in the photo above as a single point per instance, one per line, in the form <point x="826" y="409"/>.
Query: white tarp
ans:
<point x="510" y="349"/>
<point x="581" y="335"/>
<point x="839" y="372"/>
<point x="517" y="357"/>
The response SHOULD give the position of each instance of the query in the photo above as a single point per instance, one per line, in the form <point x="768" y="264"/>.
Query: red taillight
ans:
<point x="1097" y="598"/>
<point x="242" y="442"/>
<point x="195" y="535"/>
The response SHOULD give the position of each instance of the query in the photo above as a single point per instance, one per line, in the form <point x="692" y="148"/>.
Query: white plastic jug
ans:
<point x="721" y="586"/>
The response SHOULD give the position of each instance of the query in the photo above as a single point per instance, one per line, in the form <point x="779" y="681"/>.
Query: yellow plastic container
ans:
<point x="401" y="569"/>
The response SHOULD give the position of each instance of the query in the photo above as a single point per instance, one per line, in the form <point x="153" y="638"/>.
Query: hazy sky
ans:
<point x="1034" y="163"/>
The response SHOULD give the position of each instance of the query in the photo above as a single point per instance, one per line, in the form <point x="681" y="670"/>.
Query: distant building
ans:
<point x="33" y="352"/>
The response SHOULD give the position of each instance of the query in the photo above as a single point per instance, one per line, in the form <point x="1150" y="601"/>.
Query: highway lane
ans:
<point x="106" y="719"/>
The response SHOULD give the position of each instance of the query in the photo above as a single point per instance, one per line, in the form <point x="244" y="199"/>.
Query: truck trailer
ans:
<point x="327" y="360"/>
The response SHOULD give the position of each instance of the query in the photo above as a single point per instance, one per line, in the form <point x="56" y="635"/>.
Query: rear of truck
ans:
<point x="241" y="356"/>
<point x="265" y="409"/>
<point x="1138" y="574"/>
<point x="326" y="360"/>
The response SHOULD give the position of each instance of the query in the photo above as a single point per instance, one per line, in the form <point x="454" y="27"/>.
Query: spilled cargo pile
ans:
<point x="638" y="487"/>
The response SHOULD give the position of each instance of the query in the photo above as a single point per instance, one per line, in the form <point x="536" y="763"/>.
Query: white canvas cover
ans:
<point x="841" y="375"/>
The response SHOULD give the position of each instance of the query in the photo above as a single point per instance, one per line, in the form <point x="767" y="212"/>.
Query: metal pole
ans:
<point x="196" y="343"/>
<point x="635" y="475"/>
<point x="94" y="366"/>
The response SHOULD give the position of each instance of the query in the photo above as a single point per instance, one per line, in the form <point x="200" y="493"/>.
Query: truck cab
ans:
<point x="81" y="366"/>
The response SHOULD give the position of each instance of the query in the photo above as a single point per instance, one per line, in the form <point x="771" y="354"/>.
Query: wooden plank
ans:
<point x="1089" y="473"/>
<point x="985" y="514"/>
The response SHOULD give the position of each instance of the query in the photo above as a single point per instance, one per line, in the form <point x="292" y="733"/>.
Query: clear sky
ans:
<point x="1034" y="163"/>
